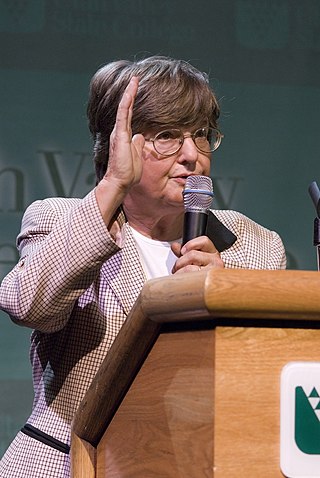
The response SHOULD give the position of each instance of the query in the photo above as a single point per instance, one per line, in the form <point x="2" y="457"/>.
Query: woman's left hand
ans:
<point x="197" y="254"/>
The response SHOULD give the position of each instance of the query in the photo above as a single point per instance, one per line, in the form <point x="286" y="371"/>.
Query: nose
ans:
<point x="188" y="151"/>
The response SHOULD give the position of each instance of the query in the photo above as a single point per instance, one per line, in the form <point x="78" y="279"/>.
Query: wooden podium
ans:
<point x="191" y="385"/>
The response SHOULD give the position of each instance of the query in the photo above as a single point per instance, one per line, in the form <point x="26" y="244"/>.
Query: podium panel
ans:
<point x="164" y="426"/>
<point x="248" y="366"/>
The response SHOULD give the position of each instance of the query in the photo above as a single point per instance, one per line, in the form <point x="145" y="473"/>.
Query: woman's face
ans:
<point x="163" y="178"/>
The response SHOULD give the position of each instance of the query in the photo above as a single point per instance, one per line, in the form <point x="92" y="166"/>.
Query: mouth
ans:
<point x="181" y="178"/>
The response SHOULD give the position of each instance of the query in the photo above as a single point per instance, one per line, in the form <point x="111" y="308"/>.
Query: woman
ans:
<point x="84" y="261"/>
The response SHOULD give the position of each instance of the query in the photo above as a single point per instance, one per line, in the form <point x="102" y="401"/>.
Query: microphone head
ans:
<point x="198" y="193"/>
<point x="315" y="196"/>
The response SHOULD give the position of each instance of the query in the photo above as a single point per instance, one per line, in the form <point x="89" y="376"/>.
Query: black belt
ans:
<point x="45" y="438"/>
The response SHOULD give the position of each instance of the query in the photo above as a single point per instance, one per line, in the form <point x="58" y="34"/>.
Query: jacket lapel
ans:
<point x="219" y="234"/>
<point x="227" y="239"/>
<point x="124" y="273"/>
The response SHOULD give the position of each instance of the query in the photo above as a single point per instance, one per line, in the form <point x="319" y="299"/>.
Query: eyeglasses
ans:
<point x="170" y="141"/>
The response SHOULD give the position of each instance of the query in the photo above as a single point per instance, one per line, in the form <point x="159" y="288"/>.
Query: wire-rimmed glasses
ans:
<point x="169" y="141"/>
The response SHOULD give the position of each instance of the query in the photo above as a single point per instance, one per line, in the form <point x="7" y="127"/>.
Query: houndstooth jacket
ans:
<point x="74" y="286"/>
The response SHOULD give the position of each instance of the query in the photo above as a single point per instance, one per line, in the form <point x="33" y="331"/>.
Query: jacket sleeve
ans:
<point x="63" y="244"/>
<point x="277" y="258"/>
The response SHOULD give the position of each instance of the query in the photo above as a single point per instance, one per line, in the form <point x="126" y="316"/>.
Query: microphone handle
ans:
<point x="195" y="224"/>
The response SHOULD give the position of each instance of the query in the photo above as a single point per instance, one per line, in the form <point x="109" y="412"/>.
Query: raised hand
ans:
<point x="125" y="157"/>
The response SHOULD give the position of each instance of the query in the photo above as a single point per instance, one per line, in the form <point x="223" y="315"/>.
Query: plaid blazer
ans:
<point x="74" y="286"/>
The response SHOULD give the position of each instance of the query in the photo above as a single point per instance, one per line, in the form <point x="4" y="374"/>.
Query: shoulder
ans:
<point x="240" y="224"/>
<point x="42" y="214"/>
<point x="55" y="207"/>
<point x="258" y="246"/>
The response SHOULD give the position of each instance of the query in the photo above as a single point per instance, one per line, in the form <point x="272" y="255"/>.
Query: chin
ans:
<point x="176" y="204"/>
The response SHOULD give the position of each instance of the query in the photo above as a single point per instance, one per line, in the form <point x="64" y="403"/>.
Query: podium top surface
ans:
<point x="233" y="293"/>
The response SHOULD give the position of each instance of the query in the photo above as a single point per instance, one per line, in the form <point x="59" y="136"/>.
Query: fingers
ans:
<point x="124" y="113"/>
<point x="198" y="254"/>
<point x="176" y="248"/>
<point x="193" y="263"/>
<point x="201" y="243"/>
<point x="125" y="151"/>
<point x="125" y="157"/>
<point x="122" y="127"/>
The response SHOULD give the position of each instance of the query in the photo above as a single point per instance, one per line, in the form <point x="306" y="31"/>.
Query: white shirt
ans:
<point x="156" y="257"/>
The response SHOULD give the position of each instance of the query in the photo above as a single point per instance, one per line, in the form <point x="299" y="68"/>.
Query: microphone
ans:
<point x="197" y="198"/>
<point x="315" y="196"/>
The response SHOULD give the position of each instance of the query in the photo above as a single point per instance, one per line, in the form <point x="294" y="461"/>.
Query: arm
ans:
<point x="277" y="259"/>
<point x="58" y="265"/>
<point x="61" y="255"/>
<point x="256" y="247"/>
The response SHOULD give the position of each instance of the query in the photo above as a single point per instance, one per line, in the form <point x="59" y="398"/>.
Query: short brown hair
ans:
<point x="171" y="92"/>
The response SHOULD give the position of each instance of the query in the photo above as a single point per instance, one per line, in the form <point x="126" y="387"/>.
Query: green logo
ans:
<point x="307" y="421"/>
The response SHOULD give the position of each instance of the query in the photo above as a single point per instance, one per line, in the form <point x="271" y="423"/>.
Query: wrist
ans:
<point x="109" y="196"/>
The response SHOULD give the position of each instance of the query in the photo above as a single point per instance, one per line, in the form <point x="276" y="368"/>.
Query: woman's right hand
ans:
<point x="125" y="157"/>
<point x="125" y="153"/>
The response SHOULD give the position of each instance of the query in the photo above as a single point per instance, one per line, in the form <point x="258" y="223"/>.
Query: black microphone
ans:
<point x="315" y="196"/>
<point x="197" y="198"/>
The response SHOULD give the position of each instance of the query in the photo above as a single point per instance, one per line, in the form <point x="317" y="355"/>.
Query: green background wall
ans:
<point x="263" y="60"/>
